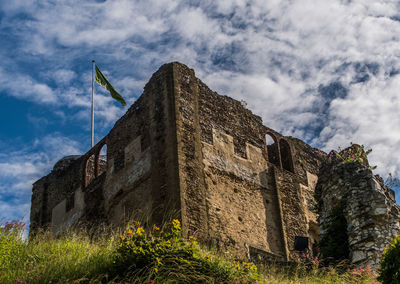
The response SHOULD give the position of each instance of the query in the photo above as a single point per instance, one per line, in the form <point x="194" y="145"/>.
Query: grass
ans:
<point x="143" y="255"/>
<point x="44" y="259"/>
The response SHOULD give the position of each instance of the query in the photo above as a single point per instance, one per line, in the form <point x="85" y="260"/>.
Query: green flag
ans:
<point x="102" y="80"/>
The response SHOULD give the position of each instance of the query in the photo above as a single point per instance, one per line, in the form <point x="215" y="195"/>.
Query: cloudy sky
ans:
<point x="327" y="72"/>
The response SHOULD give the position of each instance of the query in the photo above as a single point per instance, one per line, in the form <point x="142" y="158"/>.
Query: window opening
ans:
<point x="286" y="155"/>
<point x="102" y="163"/>
<point x="272" y="150"/>
<point x="90" y="170"/>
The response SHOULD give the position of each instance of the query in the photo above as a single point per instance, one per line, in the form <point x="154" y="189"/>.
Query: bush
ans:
<point x="163" y="256"/>
<point x="390" y="264"/>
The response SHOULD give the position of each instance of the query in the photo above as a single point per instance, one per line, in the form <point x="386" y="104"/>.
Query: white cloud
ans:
<point x="20" y="168"/>
<point x="25" y="87"/>
<point x="369" y="116"/>
<point x="14" y="212"/>
<point x="63" y="76"/>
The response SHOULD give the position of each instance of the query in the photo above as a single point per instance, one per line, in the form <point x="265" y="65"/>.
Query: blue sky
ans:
<point x="327" y="72"/>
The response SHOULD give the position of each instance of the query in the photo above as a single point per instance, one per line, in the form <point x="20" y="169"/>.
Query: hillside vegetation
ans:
<point x="144" y="255"/>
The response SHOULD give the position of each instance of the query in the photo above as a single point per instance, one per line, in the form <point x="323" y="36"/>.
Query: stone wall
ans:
<point x="142" y="178"/>
<point x="53" y="189"/>
<point x="137" y="177"/>
<point x="231" y="191"/>
<point x="369" y="208"/>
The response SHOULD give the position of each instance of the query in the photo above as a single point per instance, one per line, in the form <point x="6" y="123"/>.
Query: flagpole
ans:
<point x="92" y="137"/>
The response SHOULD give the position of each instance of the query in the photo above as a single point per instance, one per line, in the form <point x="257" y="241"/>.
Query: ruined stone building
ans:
<point x="183" y="148"/>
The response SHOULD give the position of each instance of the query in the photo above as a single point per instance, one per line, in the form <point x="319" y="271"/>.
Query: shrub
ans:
<point x="160" y="256"/>
<point x="354" y="153"/>
<point x="390" y="265"/>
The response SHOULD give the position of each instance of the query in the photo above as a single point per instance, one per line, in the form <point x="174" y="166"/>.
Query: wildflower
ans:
<point x="253" y="268"/>
<point x="176" y="224"/>
<point x="155" y="228"/>
<point x="139" y="231"/>
<point x="130" y="232"/>
<point x="137" y="223"/>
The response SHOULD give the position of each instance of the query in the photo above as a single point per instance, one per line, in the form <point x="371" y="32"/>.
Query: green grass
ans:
<point x="141" y="255"/>
<point x="44" y="259"/>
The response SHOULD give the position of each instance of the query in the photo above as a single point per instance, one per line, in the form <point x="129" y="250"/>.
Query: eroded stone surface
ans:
<point x="369" y="208"/>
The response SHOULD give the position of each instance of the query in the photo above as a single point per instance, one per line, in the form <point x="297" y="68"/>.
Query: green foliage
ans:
<point x="11" y="244"/>
<point x="45" y="259"/>
<point x="355" y="153"/>
<point x="334" y="244"/>
<point x="143" y="256"/>
<point x="390" y="264"/>
<point x="164" y="256"/>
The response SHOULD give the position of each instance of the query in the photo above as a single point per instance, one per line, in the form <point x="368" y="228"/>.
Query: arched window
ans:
<point x="90" y="172"/>
<point x="272" y="149"/>
<point x="286" y="155"/>
<point x="102" y="161"/>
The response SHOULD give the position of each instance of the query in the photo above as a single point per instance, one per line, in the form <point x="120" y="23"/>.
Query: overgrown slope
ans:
<point x="143" y="255"/>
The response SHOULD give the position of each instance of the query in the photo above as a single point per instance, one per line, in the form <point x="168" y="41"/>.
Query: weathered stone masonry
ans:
<point x="183" y="148"/>
<point x="368" y="206"/>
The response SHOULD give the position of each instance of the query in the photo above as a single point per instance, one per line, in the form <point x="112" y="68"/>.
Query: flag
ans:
<point x="102" y="80"/>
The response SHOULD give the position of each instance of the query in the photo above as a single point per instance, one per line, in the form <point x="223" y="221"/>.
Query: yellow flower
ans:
<point x="155" y="228"/>
<point x="176" y="224"/>
<point x="137" y="224"/>
<point x="130" y="232"/>
<point x="158" y="260"/>
<point x="140" y="231"/>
